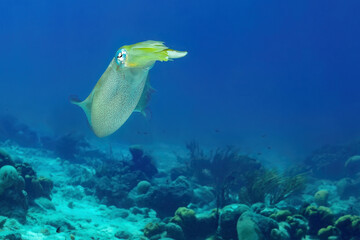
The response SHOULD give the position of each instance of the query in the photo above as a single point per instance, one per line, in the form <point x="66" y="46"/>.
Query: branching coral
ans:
<point x="227" y="171"/>
<point x="270" y="184"/>
<point x="200" y="163"/>
<point x="224" y="163"/>
<point x="217" y="168"/>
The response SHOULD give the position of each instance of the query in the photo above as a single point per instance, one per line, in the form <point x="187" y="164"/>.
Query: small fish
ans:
<point x="143" y="133"/>
<point x="58" y="230"/>
<point x="124" y="87"/>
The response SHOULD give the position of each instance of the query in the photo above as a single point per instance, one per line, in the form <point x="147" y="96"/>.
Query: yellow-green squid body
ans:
<point x="124" y="88"/>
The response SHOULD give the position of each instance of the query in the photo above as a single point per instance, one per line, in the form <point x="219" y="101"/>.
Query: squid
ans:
<point x="124" y="87"/>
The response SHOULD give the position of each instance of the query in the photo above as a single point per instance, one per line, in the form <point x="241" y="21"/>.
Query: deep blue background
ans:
<point x="288" y="70"/>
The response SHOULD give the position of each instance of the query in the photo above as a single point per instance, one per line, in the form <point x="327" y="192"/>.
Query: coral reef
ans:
<point x="19" y="187"/>
<point x="34" y="186"/>
<point x="186" y="219"/>
<point x="298" y="226"/>
<point x="321" y="197"/>
<point x="115" y="178"/>
<point x="75" y="148"/>
<point x="318" y="217"/>
<point x="329" y="162"/>
<point x="218" y="194"/>
<point x="9" y="177"/>
<point x="264" y="225"/>
<point x="248" y="230"/>
<point x="19" y="133"/>
<point x="142" y="162"/>
<point x="326" y="233"/>
<point x="349" y="226"/>
<point x="281" y="215"/>
<point x="229" y="216"/>
<point x="347" y="187"/>
<point x="13" y="201"/>
<point x="152" y="229"/>
<point x="5" y="159"/>
<point x="223" y="168"/>
<point x="143" y="187"/>
<point x="295" y="224"/>
<point x="270" y="184"/>
<point x="352" y="165"/>
<point x="166" y="198"/>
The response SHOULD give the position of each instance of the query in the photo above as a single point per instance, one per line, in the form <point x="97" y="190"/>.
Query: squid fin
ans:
<point x="85" y="105"/>
<point x="143" y="103"/>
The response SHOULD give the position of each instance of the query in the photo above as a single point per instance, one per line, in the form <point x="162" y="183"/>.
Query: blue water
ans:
<point x="258" y="73"/>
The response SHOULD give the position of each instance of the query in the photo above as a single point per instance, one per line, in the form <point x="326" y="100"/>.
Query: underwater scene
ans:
<point x="179" y="120"/>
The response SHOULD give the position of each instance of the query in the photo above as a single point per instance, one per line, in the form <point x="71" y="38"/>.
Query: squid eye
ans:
<point x="120" y="56"/>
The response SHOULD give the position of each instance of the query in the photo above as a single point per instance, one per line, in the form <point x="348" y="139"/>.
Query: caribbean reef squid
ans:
<point x="124" y="87"/>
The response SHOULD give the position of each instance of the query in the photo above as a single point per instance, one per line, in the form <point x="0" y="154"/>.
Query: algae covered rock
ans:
<point x="174" y="231"/>
<point x="281" y="215"/>
<point x="143" y="187"/>
<point x="256" y="223"/>
<point x="293" y="226"/>
<point x="229" y="216"/>
<point x="35" y="186"/>
<point x="8" y="177"/>
<point x="18" y="186"/>
<point x="151" y="229"/>
<point x="352" y="165"/>
<point x="349" y="226"/>
<point x="207" y="223"/>
<point x="258" y="207"/>
<point x="348" y="187"/>
<point x="321" y="197"/>
<point x="179" y="171"/>
<point x="13" y="200"/>
<point x="38" y="187"/>
<point x="194" y="225"/>
<point x="5" y="159"/>
<point x="165" y="199"/>
<point x="318" y="217"/>
<point x="10" y="235"/>
<point x="328" y="161"/>
<point x="248" y="230"/>
<point x="123" y="235"/>
<point x="142" y="161"/>
<point x="186" y="219"/>
<point x="280" y="233"/>
<point x="115" y="179"/>
<point x="329" y="231"/>
<point x="203" y="195"/>
<point x="298" y="226"/>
